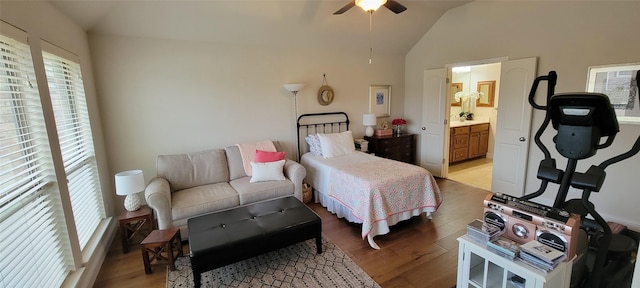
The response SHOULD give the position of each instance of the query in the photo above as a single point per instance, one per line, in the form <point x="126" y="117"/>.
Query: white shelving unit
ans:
<point x="481" y="268"/>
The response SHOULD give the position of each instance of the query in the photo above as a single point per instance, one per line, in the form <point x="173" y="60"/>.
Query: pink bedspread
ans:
<point x="383" y="188"/>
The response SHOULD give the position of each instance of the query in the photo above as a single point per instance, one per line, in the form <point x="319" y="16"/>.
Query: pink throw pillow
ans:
<point x="266" y="156"/>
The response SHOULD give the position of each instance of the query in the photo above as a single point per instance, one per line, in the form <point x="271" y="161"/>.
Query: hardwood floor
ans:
<point x="416" y="253"/>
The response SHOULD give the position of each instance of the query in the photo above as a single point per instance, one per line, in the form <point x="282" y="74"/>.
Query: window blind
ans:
<point x="74" y="132"/>
<point x="33" y="235"/>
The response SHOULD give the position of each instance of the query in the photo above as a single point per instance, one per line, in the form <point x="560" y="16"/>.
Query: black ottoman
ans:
<point x="225" y="237"/>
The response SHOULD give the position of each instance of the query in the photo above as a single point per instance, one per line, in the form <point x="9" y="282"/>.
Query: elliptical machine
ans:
<point x="582" y="120"/>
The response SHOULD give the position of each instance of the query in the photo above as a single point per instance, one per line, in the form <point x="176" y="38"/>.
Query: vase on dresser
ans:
<point x="398" y="130"/>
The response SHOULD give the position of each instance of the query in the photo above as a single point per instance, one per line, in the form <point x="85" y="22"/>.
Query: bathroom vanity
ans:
<point x="468" y="140"/>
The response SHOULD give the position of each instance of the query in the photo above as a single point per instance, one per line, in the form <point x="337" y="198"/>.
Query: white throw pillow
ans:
<point x="267" y="171"/>
<point x="336" y="144"/>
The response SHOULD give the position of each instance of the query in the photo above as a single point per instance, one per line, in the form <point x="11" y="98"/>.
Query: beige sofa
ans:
<point x="194" y="184"/>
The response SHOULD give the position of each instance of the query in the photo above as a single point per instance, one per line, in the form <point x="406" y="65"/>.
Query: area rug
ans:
<point x="297" y="265"/>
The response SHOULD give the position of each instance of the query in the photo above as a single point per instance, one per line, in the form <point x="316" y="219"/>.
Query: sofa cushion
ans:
<point x="254" y="192"/>
<point x="236" y="170"/>
<point x="193" y="169"/>
<point x="203" y="199"/>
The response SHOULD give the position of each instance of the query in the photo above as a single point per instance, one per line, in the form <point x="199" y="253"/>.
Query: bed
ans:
<point x="362" y="188"/>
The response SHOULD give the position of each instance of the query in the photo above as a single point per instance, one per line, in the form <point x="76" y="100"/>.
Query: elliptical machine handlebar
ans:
<point x="548" y="165"/>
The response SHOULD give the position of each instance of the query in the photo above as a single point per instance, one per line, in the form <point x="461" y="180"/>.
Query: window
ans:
<point x="76" y="144"/>
<point x="33" y="234"/>
<point x="49" y="208"/>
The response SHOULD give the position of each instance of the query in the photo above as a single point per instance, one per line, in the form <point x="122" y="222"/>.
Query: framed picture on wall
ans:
<point x="380" y="100"/>
<point x="618" y="82"/>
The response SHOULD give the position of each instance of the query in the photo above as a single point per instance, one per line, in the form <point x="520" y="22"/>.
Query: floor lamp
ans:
<point x="294" y="88"/>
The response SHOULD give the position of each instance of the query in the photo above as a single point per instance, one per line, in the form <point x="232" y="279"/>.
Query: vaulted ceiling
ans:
<point x="284" y="23"/>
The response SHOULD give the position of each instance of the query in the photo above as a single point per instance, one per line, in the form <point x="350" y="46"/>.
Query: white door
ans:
<point x="434" y="122"/>
<point x="513" y="127"/>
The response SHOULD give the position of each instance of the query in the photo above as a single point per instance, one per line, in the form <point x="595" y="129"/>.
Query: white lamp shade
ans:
<point x="129" y="182"/>
<point x="369" y="119"/>
<point x="293" y="87"/>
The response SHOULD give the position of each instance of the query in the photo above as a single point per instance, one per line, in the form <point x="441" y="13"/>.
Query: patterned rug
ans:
<point x="297" y="265"/>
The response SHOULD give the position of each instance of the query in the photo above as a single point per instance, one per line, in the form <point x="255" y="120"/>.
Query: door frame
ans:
<point x="447" y="135"/>
<point x="443" y="169"/>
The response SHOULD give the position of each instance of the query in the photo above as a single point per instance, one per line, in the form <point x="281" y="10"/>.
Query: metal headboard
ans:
<point x="329" y="122"/>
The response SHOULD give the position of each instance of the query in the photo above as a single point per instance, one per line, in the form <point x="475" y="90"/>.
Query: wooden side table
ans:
<point x="132" y="223"/>
<point x="161" y="241"/>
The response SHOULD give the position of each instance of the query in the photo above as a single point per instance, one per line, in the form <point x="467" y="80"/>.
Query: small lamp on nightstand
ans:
<point x="130" y="183"/>
<point x="369" y="120"/>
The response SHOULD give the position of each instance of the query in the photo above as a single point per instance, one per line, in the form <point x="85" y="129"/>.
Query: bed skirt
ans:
<point x="380" y="227"/>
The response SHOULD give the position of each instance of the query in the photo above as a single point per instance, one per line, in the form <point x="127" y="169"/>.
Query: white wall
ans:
<point x="567" y="37"/>
<point x="163" y="97"/>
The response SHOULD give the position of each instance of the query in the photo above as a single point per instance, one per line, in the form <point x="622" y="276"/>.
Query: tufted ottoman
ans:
<point x="225" y="237"/>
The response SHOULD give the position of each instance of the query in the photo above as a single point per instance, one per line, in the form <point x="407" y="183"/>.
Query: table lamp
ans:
<point x="130" y="183"/>
<point x="369" y="120"/>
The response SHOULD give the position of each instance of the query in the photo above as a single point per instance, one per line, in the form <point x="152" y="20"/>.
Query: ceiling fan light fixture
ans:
<point x="370" y="5"/>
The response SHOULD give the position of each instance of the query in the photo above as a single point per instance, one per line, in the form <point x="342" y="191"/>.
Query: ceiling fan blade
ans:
<point x="346" y="7"/>
<point x="395" y="6"/>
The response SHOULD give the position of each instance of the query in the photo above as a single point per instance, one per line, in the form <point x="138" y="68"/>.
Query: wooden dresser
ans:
<point x="401" y="148"/>
<point x="468" y="142"/>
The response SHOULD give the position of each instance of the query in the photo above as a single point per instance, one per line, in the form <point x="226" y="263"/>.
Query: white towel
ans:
<point x="248" y="152"/>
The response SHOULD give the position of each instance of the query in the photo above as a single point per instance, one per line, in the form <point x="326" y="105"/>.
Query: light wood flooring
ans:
<point x="416" y="253"/>
<point x="476" y="173"/>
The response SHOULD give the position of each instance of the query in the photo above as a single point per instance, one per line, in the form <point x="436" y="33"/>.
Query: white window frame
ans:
<point x="50" y="199"/>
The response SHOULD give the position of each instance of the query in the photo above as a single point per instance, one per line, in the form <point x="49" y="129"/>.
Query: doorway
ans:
<point x="474" y="101"/>
<point x="512" y="126"/>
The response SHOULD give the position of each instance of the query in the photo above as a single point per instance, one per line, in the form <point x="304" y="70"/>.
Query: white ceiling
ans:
<point x="290" y="23"/>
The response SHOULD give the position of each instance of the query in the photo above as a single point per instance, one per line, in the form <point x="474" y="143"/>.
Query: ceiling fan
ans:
<point x="372" y="5"/>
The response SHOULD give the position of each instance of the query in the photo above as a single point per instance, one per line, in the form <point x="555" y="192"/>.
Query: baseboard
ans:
<point x="93" y="257"/>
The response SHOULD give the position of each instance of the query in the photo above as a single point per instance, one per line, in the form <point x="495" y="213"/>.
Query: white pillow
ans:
<point x="336" y="144"/>
<point x="267" y="171"/>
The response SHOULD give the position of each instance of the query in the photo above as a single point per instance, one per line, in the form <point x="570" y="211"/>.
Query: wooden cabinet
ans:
<point x="401" y="148"/>
<point x="479" y="268"/>
<point x="468" y="142"/>
<point x="459" y="144"/>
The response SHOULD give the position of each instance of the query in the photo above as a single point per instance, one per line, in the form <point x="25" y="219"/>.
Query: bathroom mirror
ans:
<point x="455" y="88"/>
<point x="487" y="88"/>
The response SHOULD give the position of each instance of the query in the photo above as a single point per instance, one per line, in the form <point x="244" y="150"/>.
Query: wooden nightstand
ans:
<point x="135" y="223"/>
<point x="401" y="148"/>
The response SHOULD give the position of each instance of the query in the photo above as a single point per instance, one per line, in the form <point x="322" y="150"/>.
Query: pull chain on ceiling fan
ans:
<point x="370" y="35"/>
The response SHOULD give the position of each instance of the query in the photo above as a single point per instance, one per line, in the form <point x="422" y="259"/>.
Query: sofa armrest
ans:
<point x="295" y="172"/>
<point x="158" y="196"/>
